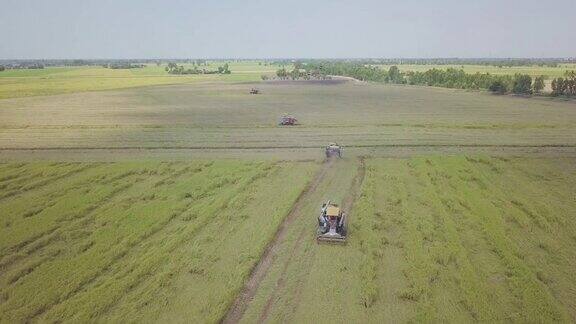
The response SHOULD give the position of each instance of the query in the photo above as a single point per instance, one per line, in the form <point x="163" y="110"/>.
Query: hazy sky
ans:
<point x="311" y="28"/>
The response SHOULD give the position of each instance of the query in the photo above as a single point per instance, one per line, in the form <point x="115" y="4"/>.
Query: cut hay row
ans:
<point x="119" y="241"/>
<point x="439" y="239"/>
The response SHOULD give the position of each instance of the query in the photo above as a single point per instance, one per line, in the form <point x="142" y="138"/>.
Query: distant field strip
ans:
<point x="548" y="72"/>
<point x="136" y="241"/>
<point x="246" y="138"/>
<point x="58" y="80"/>
<point x="121" y="148"/>
<point x="224" y="116"/>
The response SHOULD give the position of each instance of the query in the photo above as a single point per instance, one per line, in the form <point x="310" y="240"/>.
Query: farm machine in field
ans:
<point x="331" y="224"/>
<point x="334" y="149"/>
<point x="254" y="91"/>
<point x="287" y="120"/>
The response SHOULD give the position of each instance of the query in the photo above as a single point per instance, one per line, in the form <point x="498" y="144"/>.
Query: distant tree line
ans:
<point x="34" y="66"/>
<point x="565" y="86"/>
<point x="499" y="62"/>
<point x="30" y="66"/>
<point x="13" y="63"/>
<point x="24" y="63"/>
<point x="174" y="68"/>
<point x="447" y="78"/>
<point x="522" y="84"/>
<point x="299" y="72"/>
<point x="123" y="66"/>
<point x="319" y="70"/>
<point x="458" y="79"/>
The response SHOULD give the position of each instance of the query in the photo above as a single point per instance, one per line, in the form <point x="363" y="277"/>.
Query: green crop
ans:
<point x="128" y="241"/>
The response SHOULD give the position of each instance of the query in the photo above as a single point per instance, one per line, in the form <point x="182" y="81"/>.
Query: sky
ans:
<point x="91" y="29"/>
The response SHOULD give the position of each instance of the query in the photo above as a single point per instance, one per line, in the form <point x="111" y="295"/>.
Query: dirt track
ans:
<point x="239" y="306"/>
<point x="347" y="204"/>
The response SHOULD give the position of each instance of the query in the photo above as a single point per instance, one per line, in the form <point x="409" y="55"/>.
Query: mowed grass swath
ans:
<point x="226" y="116"/>
<point x="438" y="239"/>
<point x="136" y="241"/>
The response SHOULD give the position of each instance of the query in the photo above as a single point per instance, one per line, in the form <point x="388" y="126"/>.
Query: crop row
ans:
<point x="434" y="239"/>
<point x="115" y="241"/>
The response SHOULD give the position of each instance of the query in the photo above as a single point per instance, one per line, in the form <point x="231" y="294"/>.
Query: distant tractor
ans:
<point x="331" y="224"/>
<point x="287" y="120"/>
<point x="334" y="149"/>
<point x="254" y="91"/>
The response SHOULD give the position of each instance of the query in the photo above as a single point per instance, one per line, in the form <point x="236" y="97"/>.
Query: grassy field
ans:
<point x="534" y="71"/>
<point x="464" y="238"/>
<point x="190" y="198"/>
<point x="204" y="117"/>
<point x="56" y="80"/>
<point x="136" y="241"/>
<point x="434" y="239"/>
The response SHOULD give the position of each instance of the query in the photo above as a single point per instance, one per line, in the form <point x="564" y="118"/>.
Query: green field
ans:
<point x="56" y="80"/>
<point x="534" y="71"/>
<point x="198" y="119"/>
<point x="435" y="239"/>
<point x="183" y="201"/>
<point x="432" y="239"/>
<point x="136" y="241"/>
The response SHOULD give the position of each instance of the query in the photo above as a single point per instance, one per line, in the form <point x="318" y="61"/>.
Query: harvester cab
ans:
<point x="334" y="149"/>
<point x="331" y="224"/>
<point x="287" y="120"/>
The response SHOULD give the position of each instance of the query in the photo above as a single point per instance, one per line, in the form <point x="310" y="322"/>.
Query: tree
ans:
<point x="295" y="74"/>
<point x="522" y="84"/>
<point x="498" y="86"/>
<point x="2" y="68"/>
<point x="538" y="85"/>
<point x="558" y="87"/>
<point x="570" y="83"/>
<point x="394" y="74"/>
<point x="282" y="73"/>
<point x="172" y="67"/>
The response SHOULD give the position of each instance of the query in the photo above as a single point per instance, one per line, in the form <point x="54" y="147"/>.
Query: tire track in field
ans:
<point x="347" y="203"/>
<point x="196" y="230"/>
<point x="240" y="304"/>
<point x="355" y="187"/>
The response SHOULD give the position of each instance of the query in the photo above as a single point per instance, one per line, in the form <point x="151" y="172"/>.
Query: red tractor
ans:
<point x="287" y="120"/>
